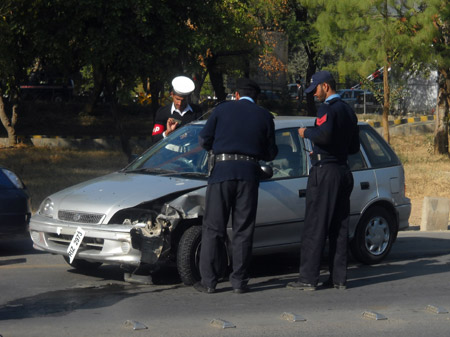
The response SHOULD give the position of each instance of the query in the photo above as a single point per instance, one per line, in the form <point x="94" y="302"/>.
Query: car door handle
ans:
<point x="365" y="185"/>
<point x="301" y="193"/>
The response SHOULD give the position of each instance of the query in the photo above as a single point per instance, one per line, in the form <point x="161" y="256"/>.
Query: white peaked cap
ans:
<point x="183" y="85"/>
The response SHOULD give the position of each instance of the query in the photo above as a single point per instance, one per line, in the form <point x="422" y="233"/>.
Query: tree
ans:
<point x="16" y="50"/>
<point x="367" y="35"/>
<point x="432" y="38"/>
<point x="304" y="36"/>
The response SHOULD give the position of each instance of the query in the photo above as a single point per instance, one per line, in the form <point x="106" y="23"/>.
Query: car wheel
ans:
<point x="82" y="265"/>
<point x="374" y="236"/>
<point x="188" y="256"/>
<point x="58" y="99"/>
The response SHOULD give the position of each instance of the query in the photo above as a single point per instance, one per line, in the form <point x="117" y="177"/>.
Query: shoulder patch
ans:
<point x="321" y="120"/>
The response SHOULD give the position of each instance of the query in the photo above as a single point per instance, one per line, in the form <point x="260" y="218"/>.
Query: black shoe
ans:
<point x="242" y="290"/>
<point x="201" y="288"/>
<point x="301" y="286"/>
<point x="329" y="284"/>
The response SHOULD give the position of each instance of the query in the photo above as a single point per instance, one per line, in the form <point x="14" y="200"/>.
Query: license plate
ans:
<point x="75" y="243"/>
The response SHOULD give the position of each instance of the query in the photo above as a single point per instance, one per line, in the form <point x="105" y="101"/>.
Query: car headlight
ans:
<point x="14" y="178"/>
<point x="47" y="208"/>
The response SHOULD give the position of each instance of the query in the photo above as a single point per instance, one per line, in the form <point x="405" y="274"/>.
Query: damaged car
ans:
<point x="150" y="213"/>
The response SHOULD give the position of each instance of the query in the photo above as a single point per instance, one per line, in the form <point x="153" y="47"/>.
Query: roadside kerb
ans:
<point x="413" y="125"/>
<point x="83" y="142"/>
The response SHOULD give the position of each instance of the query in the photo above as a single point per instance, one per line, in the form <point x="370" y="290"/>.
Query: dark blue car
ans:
<point x="15" y="205"/>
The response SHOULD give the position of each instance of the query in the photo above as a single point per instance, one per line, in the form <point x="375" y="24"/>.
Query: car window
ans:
<point x="290" y="161"/>
<point x="346" y="94"/>
<point x="180" y="152"/>
<point x="377" y="150"/>
<point x="356" y="161"/>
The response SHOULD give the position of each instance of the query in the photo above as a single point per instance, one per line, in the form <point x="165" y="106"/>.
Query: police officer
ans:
<point x="239" y="133"/>
<point x="180" y="112"/>
<point x="335" y="135"/>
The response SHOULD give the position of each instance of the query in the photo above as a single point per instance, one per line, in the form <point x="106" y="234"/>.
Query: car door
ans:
<point x="281" y="201"/>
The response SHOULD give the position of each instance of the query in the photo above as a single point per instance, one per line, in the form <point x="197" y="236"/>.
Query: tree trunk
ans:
<point x="386" y="104"/>
<point x="156" y="87"/>
<point x="9" y="124"/>
<point x="442" y="113"/>
<point x="311" y="109"/>
<point x="111" y="97"/>
<point x="216" y="78"/>
<point x="99" y="78"/>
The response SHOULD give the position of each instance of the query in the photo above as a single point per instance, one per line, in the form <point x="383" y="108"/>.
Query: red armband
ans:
<point x="157" y="129"/>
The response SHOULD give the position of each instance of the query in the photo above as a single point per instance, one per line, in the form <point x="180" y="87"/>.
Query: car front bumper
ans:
<point x="101" y="243"/>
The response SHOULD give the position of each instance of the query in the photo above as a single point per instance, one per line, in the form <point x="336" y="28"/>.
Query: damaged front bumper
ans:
<point x="134" y="235"/>
<point x="102" y="243"/>
<point x="106" y="243"/>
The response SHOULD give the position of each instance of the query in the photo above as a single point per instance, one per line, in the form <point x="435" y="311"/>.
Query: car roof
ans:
<point x="284" y="122"/>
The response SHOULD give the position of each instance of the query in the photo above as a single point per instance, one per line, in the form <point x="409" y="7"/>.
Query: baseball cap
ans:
<point x="317" y="78"/>
<point x="183" y="85"/>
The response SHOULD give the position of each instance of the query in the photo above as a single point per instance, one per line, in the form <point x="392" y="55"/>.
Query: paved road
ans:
<point x="41" y="296"/>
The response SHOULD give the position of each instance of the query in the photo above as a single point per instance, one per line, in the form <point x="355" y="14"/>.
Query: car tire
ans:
<point x="374" y="236"/>
<point x="188" y="256"/>
<point x="82" y="265"/>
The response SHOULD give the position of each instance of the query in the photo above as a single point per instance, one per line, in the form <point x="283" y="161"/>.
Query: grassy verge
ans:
<point x="426" y="174"/>
<point x="47" y="170"/>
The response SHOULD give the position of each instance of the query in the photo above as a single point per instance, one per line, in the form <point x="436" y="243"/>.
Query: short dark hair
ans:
<point x="331" y="83"/>
<point x="247" y="87"/>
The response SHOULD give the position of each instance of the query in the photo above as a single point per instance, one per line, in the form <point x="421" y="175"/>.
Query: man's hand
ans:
<point x="301" y="132"/>
<point x="170" y="126"/>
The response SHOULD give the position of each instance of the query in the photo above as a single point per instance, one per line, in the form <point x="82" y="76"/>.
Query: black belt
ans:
<point x="227" y="156"/>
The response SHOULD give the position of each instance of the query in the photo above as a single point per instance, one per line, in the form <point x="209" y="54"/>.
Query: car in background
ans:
<point x="15" y="205"/>
<point x="269" y="95"/>
<point x="367" y="104"/>
<point x="150" y="212"/>
<point x="350" y="96"/>
<point x="47" y="88"/>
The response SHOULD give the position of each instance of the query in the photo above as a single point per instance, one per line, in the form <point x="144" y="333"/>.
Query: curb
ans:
<point x="85" y="142"/>
<point x="113" y="142"/>
<point x="402" y="121"/>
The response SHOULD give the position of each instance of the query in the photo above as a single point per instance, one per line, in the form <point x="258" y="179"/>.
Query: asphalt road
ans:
<point x="42" y="296"/>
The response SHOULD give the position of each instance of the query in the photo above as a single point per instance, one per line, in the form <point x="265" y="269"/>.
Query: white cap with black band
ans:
<point x="182" y="85"/>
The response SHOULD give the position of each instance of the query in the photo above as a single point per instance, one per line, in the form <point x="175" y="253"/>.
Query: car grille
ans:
<point x="88" y="243"/>
<point x="80" y="217"/>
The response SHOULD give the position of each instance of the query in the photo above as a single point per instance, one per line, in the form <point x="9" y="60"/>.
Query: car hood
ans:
<point x="110" y="193"/>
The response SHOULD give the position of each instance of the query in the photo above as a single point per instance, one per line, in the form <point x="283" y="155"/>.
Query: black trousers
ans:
<point x="240" y="199"/>
<point x="327" y="216"/>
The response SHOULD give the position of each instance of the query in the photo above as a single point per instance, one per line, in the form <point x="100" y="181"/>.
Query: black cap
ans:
<point x="319" y="77"/>
<point x="244" y="83"/>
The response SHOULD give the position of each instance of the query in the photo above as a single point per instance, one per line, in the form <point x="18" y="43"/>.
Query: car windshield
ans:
<point x="177" y="154"/>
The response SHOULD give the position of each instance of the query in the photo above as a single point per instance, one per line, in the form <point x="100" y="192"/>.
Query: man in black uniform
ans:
<point x="239" y="133"/>
<point x="330" y="183"/>
<point x="180" y="112"/>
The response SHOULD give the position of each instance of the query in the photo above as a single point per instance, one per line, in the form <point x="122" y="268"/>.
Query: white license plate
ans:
<point x="75" y="243"/>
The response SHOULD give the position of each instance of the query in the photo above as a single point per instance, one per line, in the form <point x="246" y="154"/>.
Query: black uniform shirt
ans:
<point x="165" y="112"/>
<point x="239" y="127"/>
<point x="336" y="132"/>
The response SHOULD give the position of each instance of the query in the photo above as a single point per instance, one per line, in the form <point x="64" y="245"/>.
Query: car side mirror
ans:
<point x="266" y="172"/>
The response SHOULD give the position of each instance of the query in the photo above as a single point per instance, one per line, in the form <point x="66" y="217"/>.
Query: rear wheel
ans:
<point x="82" y="265"/>
<point x="188" y="256"/>
<point x="374" y="236"/>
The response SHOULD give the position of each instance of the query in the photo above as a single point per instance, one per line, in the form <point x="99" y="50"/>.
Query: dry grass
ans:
<point x="426" y="174"/>
<point x="47" y="170"/>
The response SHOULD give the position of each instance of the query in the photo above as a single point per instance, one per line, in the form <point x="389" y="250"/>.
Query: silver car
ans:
<point x="151" y="211"/>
